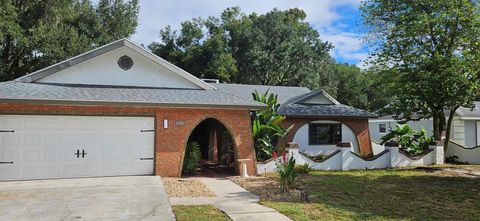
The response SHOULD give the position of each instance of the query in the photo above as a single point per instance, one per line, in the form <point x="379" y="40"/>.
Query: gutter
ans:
<point x="136" y="104"/>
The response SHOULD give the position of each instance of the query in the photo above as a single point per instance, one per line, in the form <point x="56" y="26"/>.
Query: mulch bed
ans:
<point x="186" y="187"/>
<point x="267" y="188"/>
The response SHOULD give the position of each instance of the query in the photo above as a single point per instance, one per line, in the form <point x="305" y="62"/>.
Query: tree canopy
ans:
<point x="276" y="48"/>
<point x="35" y="34"/>
<point x="432" y="47"/>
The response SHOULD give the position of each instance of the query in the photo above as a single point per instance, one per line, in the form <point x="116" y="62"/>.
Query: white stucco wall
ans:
<point x="104" y="70"/>
<point x="470" y="155"/>
<point x="301" y="137"/>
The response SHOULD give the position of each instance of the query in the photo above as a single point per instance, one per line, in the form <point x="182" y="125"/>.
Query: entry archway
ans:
<point x="217" y="148"/>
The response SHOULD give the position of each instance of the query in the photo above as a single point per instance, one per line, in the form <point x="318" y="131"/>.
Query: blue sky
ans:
<point x="336" y="20"/>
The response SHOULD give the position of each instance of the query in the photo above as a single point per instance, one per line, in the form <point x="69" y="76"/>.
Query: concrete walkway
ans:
<point x="236" y="202"/>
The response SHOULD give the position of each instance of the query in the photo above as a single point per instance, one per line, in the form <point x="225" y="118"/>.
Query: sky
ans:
<point x="337" y="21"/>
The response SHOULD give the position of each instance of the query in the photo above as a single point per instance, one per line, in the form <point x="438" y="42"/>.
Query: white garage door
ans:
<point x="43" y="147"/>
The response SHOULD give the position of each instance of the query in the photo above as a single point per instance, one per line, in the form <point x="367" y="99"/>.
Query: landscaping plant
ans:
<point x="192" y="156"/>
<point x="410" y="141"/>
<point x="286" y="171"/>
<point x="267" y="125"/>
<point x="304" y="168"/>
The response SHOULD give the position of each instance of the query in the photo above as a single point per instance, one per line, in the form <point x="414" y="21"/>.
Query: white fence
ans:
<point x="464" y="154"/>
<point x="345" y="159"/>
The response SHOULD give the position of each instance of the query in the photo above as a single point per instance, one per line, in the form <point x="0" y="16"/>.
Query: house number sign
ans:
<point x="179" y="123"/>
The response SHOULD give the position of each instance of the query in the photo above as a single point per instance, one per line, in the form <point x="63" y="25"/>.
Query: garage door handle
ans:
<point x="11" y="162"/>
<point x="146" y="158"/>
<point x="7" y="131"/>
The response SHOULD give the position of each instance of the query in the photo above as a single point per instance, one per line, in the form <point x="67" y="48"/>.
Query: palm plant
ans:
<point x="267" y="125"/>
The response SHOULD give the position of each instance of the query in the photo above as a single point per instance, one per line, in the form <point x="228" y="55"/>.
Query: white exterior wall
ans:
<point x="351" y="161"/>
<point x="301" y="137"/>
<point x="470" y="155"/>
<point x="375" y="134"/>
<point x="344" y="159"/>
<point x="398" y="159"/>
<point x="104" y="70"/>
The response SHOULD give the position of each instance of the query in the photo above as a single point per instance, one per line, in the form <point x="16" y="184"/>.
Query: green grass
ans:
<point x="385" y="195"/>
<point x="199" y="213"/>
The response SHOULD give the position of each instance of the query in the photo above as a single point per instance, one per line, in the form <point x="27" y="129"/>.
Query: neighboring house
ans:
<point x="384" y="124"/>
<point x="465" y="126"/>
<point x="121" y="110"/>
<point x="320" y="122"/>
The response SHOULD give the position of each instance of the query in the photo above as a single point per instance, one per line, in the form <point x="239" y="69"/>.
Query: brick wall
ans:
<point x="359" y="126"/>
<point x="169" y="143"/>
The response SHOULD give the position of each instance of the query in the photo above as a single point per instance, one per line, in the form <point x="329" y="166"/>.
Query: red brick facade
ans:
<point x="359" y="126"/>
<point x="169" y="143"/>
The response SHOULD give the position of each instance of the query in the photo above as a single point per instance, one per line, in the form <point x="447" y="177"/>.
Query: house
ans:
<point x="465" y="126"/>
<point x="116" y="110"/>
<point x="121" y="110"/>
<point x="320" y="122"/>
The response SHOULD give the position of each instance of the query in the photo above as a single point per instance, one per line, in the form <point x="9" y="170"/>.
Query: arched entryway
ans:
<point x="217" y="148"/>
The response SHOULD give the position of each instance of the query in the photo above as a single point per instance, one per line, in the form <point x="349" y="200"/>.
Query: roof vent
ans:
<point x="215" y="81"/>
<point x="125" y="62"/>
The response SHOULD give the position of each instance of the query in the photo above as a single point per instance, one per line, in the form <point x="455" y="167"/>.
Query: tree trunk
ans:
<point x="449" y="126"/>
<point x="436" y="127"/>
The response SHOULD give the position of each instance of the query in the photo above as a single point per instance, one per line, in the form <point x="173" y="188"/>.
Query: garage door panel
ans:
<point x="45" y="147"/>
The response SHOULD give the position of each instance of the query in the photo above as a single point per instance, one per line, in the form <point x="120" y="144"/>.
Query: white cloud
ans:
<point x="155" y="15"/>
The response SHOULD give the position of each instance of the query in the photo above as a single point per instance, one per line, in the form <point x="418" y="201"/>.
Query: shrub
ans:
<point x="192" y="156"/>
<point x="288" y="174"/>
<point x="315" y="157"/>
<point x="303" y="168"/>
<point x="410" y="141"/>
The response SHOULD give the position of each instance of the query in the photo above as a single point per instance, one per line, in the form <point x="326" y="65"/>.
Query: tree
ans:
<point x="432" y="47"/>
<point x="276" y="48"/>
<point x="36" y="34"/>
<point x="363" y="89"/>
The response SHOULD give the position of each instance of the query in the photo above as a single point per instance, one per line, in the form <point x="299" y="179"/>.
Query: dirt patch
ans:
<point x="268" y="188"/>
<point x="454" y="170"/>
<point x="186" y="187"/>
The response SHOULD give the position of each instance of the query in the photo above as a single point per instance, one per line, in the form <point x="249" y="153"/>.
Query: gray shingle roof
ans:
<point x="245" y="90"/>
<point x="295" y="107"/>
<point x="12" y="91"/>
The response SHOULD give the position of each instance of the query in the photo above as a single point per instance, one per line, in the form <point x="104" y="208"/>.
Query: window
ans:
<point x="324" y="134"/>
<point x="382" y="128"/>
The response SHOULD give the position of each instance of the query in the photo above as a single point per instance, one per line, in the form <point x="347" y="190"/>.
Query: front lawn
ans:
<point x="199" y="213"/>
<point x="391" y="194"/>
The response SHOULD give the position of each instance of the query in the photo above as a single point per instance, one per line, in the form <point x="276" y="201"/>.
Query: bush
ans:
<point x="288" y="174"/>
<point x="192" y="156"/>
<point x="303" y="168"/>
<point x="410" y="141"/>
<point x="315" y="157"/>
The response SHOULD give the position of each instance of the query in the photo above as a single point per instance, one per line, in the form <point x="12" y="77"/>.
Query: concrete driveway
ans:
<point x="106" y="198"/>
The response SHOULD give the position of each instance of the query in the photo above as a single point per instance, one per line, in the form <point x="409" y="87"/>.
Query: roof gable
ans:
<point x="100" y="67"/>
<point x="316" y="98"/>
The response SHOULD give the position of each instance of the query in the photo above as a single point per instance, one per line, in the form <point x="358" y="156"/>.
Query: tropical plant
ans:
<point x="192" y="156"/>
<point x="288" y="174"/>
<point x="410" y="141"/>
<point x="267" y="125"/>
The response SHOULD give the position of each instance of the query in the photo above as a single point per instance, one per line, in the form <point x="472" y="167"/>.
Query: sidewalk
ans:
<point x="236" y="202"/>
